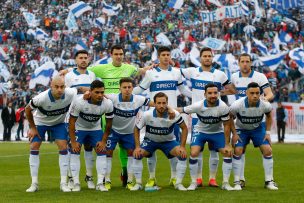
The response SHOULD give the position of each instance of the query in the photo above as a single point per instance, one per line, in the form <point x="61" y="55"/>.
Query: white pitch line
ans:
<point x="20" y="155"/>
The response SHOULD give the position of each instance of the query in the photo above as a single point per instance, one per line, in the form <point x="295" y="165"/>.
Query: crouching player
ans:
<point x="213" y="114"/>
<point x="159" y="135"/>
<point x="84" y="125"/>
<point x="249" y="112"/>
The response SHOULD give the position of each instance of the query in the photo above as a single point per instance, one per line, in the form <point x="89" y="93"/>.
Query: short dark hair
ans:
<point x="253" y="85"/>
<point x="122" y="80"/>
<point x="160" y="94"/>
<point x="245" y="54"/>
<point x="117" y="46"/>
<point x="81" y="52"/>
<point x="205" y="49"/>
<point x="162" y="49"/>
<point x="209" y="85"/>
<point x="96" y="84"/>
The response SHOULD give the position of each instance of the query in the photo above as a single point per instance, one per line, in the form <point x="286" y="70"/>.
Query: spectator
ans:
<point x="282" y="117"/>
<point x="8" y="119"/>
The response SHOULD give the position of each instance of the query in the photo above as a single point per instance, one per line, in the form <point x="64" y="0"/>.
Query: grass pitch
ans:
<point x="15" y="179"/>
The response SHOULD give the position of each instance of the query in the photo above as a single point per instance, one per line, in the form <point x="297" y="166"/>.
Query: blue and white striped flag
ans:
<point x="285" y="38"/>
<point x="79" y="8"/>
<point x="111" y="10"/>
<point x="297" y="55"/>
<point x="272" y="61"/>
<point x="194" y="56"/>
<point x="43" y="74"/>
<point x="176" y="4"/>
<point x="41" y="35"/>
<point x="261" y="46"/>
<point x="247" y="48"/>
<point x="284" y="4"/>
<point x="80" y="46"/>
<point x="4" y="72"/>
<point x="100" y="22"/>
<point x="244" y="8"/>
<point x="30" y="19"/>
<point x="104" y="60"/>
<point x="71" y="22"/>
<point x="3" y="55"/>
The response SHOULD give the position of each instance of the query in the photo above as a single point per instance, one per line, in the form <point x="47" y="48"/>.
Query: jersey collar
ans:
<point x="250" y="76"/>
<point x="158" y="69"/>
<point x="247" y="103"/>
<point x="120" y="98"/>
<point x="77" y="73"/>
<point x="51" y="96"/>
<point x="155" y="114"/>
<point x="206" y="104"/>
<point x="211" y="70"/>
<point x="98" y="104"/>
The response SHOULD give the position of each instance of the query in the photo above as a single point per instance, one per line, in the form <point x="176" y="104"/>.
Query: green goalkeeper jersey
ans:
<point x="111" y="75"/>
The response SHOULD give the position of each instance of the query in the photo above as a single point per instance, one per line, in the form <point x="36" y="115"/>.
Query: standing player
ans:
<point x="167" y="79"/>
<point x="126" y="106"/>
<point x="50" y="108"/>
<point x="249" y="112"/>
<point x="81" y="79"/>
<point x="212" y="113"/>
<point x="241" y="79"/>
<point x="199" y="78"/>
<point x="84" y="125"/>
<point x="159" y="135"/>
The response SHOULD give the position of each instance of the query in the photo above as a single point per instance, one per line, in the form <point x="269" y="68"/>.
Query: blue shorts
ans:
<point x="257" y="136"/>
<point x="126" y="141"/>
<point x="166" y="147"/>
<point x="216" y="140"/>
<point x="58" y="132"/>
<point x="89" y="137"/>
<point x="176" y="132"/>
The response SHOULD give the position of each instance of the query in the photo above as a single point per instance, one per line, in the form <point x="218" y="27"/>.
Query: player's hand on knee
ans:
<point x="100" y="146"/>
<point x="268" y="138"/>
<point x="228" y="150"/>
<point x="76" y="147"/>
<point x="137" y="153"/>
<point x="32" y="133"/>
<point x="182" y="152"/>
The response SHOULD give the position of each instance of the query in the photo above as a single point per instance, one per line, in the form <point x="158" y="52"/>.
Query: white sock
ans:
<point x="268" y="167"/>
<point x="75" y="167"/>
<point x="137" y="170"/>
<point x="180" y="170"/>
<point x="173" y="165"/>
<point x="69" y="167"/>
<point x="151" y="161"/>
<point x="193" y="165"/>
<point x="200" y="165"/>
<point x="89" y="162"/>
<point x="109" y="168"/>
<point x="63" y="165"/>
<point x="236" y="166"/>
<point x="242" y="174"/>
<point x="130" y="168"/>
<point x="213" y="164"/>
<point x="101" y="167"/>
<point x="34" y="162"/>
<point x="227" y="167"/>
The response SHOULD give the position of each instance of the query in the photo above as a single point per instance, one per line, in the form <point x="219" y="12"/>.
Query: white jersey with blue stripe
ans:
<point x="88" y="115"/>
<point x="74" y="79"/>
<point x="241" y="82"/>
<point x="49" y="111"/>
<point x="199" y="79"/>
<point x="125" y="112"/>
<point x="249" y="118"/>
<point x="210" y="119"/>
<point x="158" y="129"/>
<point x="166" y="81"/>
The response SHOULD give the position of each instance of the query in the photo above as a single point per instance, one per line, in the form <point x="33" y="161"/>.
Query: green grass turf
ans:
<point x="15" y="179"/>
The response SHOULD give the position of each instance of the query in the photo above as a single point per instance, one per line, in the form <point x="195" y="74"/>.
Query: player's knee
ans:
<point x="35" y="145"/>
<point x="238" y="151"/>
<point x="194" y="154"/>
<point x="267" y="151"/>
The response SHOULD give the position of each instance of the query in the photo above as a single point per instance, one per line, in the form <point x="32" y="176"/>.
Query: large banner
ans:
<point x="222" y="13"/>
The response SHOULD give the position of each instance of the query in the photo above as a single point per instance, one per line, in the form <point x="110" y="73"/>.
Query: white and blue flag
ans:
<point x="30" y="19"/>
<point x="4" y="72"/>
<point x="273" y="61"/>
<point x="104" y="60"/>
<point x="41" y="34"/>
<point x="176" y="4"/>
<point x="297" y="55"/>
<point x="80" y="46"/>
<point x="111" y="10"/>
<point x="213" y="43"/>
<point x="100" y="22"/>
<point x="3" y="55"/>
<point x="43" y="74"/>
<point x="79" y="8"/>
<point x="244" y="8"/>
<point x="71" y="22"/>
<point x="285" y="38"/>
<point x="261" y="47"/>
